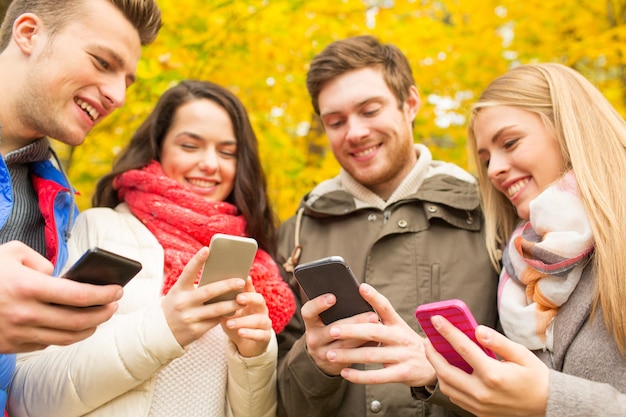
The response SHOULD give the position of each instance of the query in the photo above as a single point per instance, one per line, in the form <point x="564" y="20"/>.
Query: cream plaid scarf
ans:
<point x="543" y="263"/>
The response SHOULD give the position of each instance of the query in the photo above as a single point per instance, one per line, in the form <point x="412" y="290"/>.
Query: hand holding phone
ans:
<point x="101" y="267"/>
<point x="229" y="257"/>
<point x="332" y="275"/>
<point x="457" y="313"/>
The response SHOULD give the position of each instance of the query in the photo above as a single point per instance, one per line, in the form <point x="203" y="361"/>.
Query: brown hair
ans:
<point x="249" y="194"/>
<point x="144" y="15"/>
<point x="355" y="53"/>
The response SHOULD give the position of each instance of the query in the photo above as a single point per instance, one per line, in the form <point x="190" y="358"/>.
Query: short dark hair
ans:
<point x="144" y="15"/>
<point x="359" y="52"/>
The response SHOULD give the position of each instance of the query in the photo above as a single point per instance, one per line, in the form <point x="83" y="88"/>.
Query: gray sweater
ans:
<point x="588" y="373"/>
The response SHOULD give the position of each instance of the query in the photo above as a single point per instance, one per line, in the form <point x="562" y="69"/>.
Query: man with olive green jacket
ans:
<point x="423" y="248"/>
<point x="409" y="226"/>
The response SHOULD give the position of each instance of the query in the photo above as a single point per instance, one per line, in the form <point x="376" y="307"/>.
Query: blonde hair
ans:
<point x="592" y="138"/>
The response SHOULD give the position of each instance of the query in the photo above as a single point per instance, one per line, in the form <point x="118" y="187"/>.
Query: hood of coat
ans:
<point x="329" y="198"/>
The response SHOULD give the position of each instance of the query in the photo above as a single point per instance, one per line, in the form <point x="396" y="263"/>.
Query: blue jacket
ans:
<point x="57" y="206"/>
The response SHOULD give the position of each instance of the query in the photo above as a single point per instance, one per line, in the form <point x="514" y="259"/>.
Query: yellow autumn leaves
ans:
<point x="261" y="49"/>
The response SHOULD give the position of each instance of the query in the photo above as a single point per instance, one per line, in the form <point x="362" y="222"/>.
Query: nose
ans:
<point x="357" y="129"/>
<point x="209" y="161"/>
<point x="114" y="93"/>
<point x="498" y="165"/>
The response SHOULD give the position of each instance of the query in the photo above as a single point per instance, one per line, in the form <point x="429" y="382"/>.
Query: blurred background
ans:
<point x="261" y="49"/>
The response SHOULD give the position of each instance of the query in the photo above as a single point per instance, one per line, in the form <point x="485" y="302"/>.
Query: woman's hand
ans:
<point x="186" y="314"/>
<point x="515" y="386"/>
<point x="250" y="328"/>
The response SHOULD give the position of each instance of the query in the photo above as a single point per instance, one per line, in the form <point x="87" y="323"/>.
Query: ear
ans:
<point x="26" y="29"/>
<point x="412" y="103"/>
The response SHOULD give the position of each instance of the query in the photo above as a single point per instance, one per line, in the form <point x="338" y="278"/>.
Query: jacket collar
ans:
<point x="36" y="151"/>
<point x="440" y="189"/>
<point x="429" y="181"/>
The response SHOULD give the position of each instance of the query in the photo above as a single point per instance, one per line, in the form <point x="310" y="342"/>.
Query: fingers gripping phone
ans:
<point x="101" y="267"/>
<point x="229" y="257"/>
<point x="332" y="275"/>
<point x="457" y="313"/>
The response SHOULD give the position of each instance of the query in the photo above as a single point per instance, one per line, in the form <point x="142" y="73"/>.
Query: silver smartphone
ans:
<point x="229" y="257"/>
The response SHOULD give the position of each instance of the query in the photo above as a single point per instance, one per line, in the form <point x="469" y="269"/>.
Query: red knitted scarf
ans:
<point x="183" y="222"/>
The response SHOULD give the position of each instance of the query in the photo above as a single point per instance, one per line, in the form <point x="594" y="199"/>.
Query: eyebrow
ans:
<point x="118" y="60"/>
<point x="189" y="134"/>
<point x="195" y="136"/>
<point x="359" y="104"/>
<point x="496" y="136"/>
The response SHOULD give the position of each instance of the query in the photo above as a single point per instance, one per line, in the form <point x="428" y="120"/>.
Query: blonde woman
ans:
<point x="551" y="153"/>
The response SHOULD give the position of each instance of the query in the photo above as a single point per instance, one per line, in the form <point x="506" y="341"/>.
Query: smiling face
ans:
<point x="521" y="155"/>
<point x="370" y="136"/>
<point x="200" y="150"/>
<point x="78" y="76"/>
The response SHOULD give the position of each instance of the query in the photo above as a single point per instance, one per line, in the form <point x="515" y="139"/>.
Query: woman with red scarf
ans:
<point x="191" y="170"/>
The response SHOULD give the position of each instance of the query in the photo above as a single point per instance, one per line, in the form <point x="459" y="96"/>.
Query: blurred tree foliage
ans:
<point x="261" y="49"/>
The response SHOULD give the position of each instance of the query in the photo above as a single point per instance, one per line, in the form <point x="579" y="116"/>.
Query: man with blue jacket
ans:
<point x="64" y="66"/>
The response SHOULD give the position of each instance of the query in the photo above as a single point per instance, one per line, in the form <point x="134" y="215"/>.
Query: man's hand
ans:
<point x="393" y="343"/>
<point x="37" y="310"/>
<point x="319" y="340"/>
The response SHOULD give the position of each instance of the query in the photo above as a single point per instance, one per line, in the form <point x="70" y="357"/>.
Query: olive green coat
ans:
<point x="425" y="248"/>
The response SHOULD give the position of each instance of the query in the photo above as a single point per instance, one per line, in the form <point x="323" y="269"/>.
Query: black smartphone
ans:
<point x="332" y="275"/>
<point x="101" y="267"/>
<point x="229" y="257"/>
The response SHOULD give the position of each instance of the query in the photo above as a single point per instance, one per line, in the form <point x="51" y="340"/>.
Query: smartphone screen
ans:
<point x="229" y="257"/>
<point x="332" y="275"/>
<point x="101" y="267"/>
<point x="457" y="313"/>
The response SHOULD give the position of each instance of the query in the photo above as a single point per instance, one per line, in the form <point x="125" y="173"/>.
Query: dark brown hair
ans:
<point x="249" y="194"/>
<point x="355" y="53"/>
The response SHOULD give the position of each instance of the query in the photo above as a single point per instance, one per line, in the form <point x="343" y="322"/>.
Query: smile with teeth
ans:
<point x="91" y="112"/>
<point x="517" y="186"/>
<point x="366" y="151"/>
<point x="202" y="183"/>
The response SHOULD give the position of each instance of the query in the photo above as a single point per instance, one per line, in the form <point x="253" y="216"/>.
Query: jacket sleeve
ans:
<point x="73" y="380"/>
<point x="435" y="396"/>
<point x="252" y="382"/>
<point x="7" y="367"/>
<point x="124" y="352"/>
<point x="305" y="390"/>
<point x="577" y="397"/>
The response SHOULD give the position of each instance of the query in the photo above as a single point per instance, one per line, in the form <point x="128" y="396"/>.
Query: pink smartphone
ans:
<point x="457" y="313"/>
